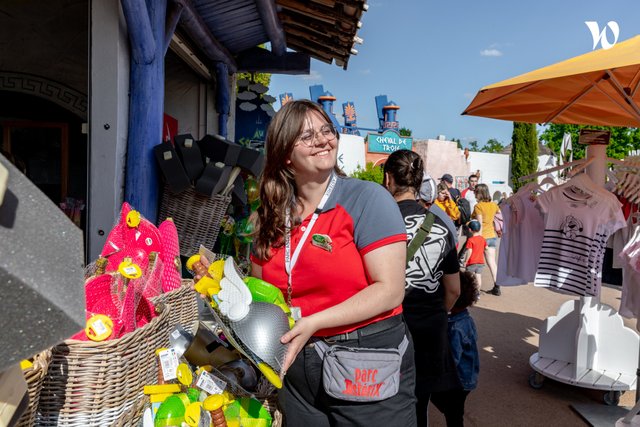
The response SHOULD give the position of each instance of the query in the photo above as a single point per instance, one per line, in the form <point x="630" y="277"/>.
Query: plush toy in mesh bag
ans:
<point x="115" y="304"/>
<point x="133" y="237"/>
<point x="170" y="256"/>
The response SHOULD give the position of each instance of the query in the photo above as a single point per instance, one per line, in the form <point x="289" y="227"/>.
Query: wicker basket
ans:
<point x="184" y="306"/>
<point x="34" y="376"/>
<point x="96" y="383"/>
<point x="197" y="217"/>
<point x="101" y="383"/>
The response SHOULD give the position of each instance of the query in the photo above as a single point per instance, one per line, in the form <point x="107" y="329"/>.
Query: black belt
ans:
<point x="370" y="329"/>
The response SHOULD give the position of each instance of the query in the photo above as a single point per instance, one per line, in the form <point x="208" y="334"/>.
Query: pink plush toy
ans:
<point x="170" y="256"/>
<point x="133" y="237"/>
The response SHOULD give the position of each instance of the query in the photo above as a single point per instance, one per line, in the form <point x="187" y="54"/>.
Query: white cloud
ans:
<point x="490" y="52"/>
<point x="312" y="76"/>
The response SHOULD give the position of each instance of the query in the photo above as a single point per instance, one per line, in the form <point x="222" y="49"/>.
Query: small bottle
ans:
<point x="152" y="260"/>
<point x="101" y="266"/>
<point x="213" y="404"/>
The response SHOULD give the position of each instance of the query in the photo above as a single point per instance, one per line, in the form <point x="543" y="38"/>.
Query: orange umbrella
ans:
<point x="597" y="88"/>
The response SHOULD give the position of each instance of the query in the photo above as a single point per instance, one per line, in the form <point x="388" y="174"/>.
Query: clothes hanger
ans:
<point x="548" y="180"/>
<point x="554" y="169"/>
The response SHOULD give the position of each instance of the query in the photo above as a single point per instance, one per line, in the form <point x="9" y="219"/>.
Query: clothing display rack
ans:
<point x="586" y="343"/>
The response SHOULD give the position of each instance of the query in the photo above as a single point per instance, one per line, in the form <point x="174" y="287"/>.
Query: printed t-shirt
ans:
<point x="477" y="245"/>
<point x="579" y="218"/>
<point x="630" y="300"/>
<point x="526" y="233"/>
<point x="488" y="211"/>
<point x="502" y="277"/>
<point x="435" y="258"/>
<point x="470" y="195"/>
<point x="359" y="217"/>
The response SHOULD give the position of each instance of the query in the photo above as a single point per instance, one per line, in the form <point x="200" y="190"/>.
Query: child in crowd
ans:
<point x="474" y="253"/>
<point x="463" y="338"/>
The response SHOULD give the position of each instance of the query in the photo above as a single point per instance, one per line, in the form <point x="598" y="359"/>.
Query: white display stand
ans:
<point x="586" y="344"/>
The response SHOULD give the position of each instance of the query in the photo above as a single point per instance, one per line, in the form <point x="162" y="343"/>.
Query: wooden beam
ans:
<point x="319" y="47"/>
<point x="143" y="43"/>
<point x="301" y="47"/>
<point x="261" y="60"/>
<point x="198" y="31"/>
<point x="146" y="105"/>
<point x="173" y="17"/>
<point x="312" y="12"/>
<point x="272" y="26"/>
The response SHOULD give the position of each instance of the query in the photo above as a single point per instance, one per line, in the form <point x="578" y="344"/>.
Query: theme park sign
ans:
<point x="387" y="142"/>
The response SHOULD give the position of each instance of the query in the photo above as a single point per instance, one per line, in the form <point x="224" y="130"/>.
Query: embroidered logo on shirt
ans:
<point x="322" y="241"/>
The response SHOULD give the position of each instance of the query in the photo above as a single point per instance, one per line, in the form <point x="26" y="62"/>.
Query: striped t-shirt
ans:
<point x="579" y="218"/>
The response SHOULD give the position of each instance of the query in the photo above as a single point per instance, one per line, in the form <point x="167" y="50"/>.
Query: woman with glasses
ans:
<point x="336" y="247"/>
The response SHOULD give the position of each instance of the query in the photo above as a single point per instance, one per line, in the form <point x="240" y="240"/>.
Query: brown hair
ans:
<point x="468" y="290"/>
<point x="277" y="185"/>
<point x="441" y="187"/>
<point x="482" y="193"/>
<point x="407" y="169"/>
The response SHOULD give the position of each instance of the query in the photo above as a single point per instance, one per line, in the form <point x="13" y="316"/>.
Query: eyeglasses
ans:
<point x="307" y="138"/>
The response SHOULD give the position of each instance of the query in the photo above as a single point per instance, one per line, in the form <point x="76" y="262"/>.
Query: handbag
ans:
<point x="498" y="223"/>
<point x="421" y="235"/>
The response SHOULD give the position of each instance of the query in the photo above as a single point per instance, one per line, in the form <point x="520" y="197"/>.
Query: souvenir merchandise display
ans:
<point x="555" y="236"/>
<point x="236" y="230"/>
<point x="202" y="178"/>
<point x="145" y="352"/>
<point x="250" y="312"/>
<point x="560" y="244"/>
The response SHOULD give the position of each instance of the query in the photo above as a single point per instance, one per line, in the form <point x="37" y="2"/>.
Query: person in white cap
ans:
<point x="427" y="196"/>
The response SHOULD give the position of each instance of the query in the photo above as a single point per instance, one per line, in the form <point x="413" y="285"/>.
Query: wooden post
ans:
<point x="146" y="27"/>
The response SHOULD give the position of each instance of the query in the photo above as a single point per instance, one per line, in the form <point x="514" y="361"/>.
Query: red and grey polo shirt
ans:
<point x="359" y="217"/>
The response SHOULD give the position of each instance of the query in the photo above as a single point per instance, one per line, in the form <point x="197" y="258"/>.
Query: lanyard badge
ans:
<point x="291" y="259"/>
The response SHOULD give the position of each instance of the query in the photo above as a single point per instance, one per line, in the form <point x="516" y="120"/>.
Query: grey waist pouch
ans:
<point x="361" y="374"/>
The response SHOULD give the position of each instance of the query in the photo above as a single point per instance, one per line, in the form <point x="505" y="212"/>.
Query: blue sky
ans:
<point x="431" y="57"/>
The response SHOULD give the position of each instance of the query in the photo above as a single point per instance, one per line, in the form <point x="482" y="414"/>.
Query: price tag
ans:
<point x="210" y="383"/>
<point x="296" y="313"/>
<point x="131" y="270"/>
<point x="169" y="363"/>
<point x="99" y="327"/>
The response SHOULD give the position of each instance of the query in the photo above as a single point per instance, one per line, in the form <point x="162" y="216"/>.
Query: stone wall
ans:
<point x="443" y="157"/>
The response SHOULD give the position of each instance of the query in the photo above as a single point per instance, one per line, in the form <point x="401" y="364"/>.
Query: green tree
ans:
<point x="493" y="146"/>
<point x="473" y="146"/>
<point x="369" y="173"/>
<point x="458" y="143"/>
<point x="622" y="140"/>
<point x="524" y="152"/>
<point x="405" y="132"/>
<point x="263" y="78"/>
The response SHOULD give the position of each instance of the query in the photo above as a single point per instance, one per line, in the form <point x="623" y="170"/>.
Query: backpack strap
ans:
<point x="421" y="235"/>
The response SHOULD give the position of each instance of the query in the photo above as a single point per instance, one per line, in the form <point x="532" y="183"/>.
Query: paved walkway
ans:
<point x="508" y="328"/>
